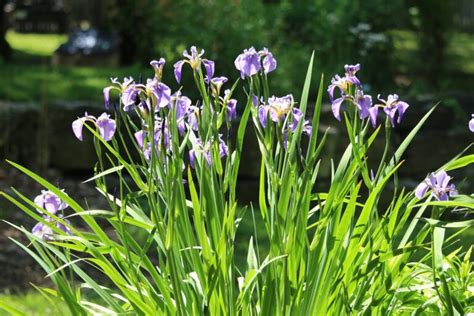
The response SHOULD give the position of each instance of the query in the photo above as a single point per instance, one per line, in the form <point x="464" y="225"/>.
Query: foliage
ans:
<point x="338" y="251"/>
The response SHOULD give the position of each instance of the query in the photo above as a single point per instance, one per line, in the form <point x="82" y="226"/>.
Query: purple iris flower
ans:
<point x="357" y="97"/>
<point x="194" y="60"/>
<point x="297" y="116"/>
<point x="232" y="109"/>
<point x="130" y="97"/>
<point x="193" y="117"/>
<point x="162" y="134"/>
<point x="277" y="109"/>
<point x="45" y="232"/>
<point x="338" y="82"/>
<point x="178" y="68"/>
<point x="140" y="138"/>
<point x="269" y="62"/>
<point x="105" y="124"/>
<point x="50" y="202"/>
<point x="263" y="115"/>
<point x="181" y="104"/>
<point x="216" y="84"/>
<point x="127" y="89"/>
<point x="161" y="137"/>
<point x="223" y="149"/>
<point x="248" y="63"/>
<point x="373" y="112"/>
<point x="364" y="102"/>
<point x="364" y="105"/>
<point x="307" y="128"/>
<point x="198" y="146"/>
<point x="158" y="66"/>
<point x="471" y="124"/>
<point x="209" y="65"/>
<point x="255" y="100"/>
<point x="394" y="107"/>
<point x="351" y="70"/>
<point x="438" y="184"/>
<point x="160" y="93"/>
<point x="106" y="94"/>
<point x="231" y="105"/>
<point x="343" y="84"/>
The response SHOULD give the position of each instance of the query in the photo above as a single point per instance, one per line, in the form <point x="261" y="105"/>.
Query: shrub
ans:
<point x="334" y="252"/>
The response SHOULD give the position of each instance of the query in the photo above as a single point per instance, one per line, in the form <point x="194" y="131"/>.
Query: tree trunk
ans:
<point x="5" y="49"/>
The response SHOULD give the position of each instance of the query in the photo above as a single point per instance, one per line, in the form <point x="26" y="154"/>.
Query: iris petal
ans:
<point x="77" y="126"/>
<point x="421" y="190"/>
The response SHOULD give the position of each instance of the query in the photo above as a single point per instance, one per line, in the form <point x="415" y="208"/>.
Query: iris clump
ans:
<point x="169" y="242"/>
<point x="351" y="91"/>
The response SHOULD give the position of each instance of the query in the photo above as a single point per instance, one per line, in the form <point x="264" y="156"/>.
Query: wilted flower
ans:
<point x="50" y="202"/>
<point x="393" y="107"/>
<point x="471" y="124"/>
<point x="105" y="124"/>
<point x="438" y="184"/>
<point x="194" y="60"/>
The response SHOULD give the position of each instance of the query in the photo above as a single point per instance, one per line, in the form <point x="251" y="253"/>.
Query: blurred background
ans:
<point x="57" y="55"/>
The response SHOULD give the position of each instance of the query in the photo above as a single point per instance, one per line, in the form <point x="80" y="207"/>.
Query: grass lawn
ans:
<point x="29" y="76"/>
